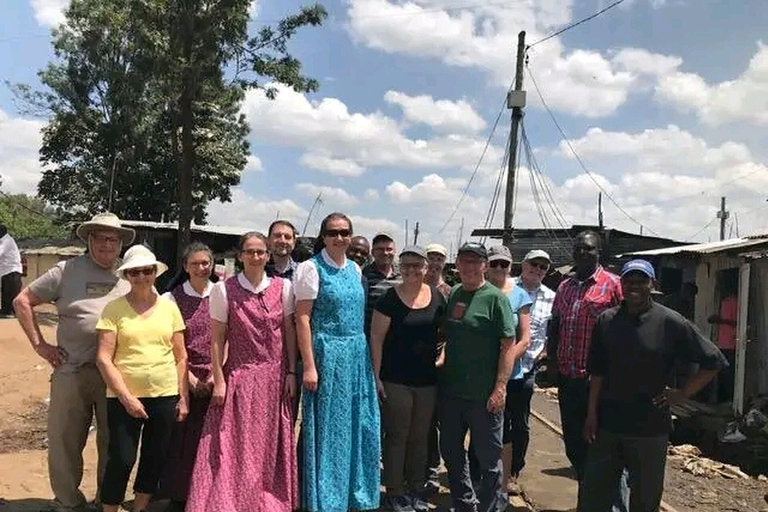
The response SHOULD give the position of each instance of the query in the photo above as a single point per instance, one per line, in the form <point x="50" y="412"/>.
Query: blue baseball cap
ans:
<point x="638" y="266"/>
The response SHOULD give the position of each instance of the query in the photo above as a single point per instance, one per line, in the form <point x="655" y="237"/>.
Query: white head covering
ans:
<point x="140" y="256"/>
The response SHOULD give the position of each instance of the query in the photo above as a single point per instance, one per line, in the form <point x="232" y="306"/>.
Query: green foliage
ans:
<point x="28" y="217"/>
<point x="141" y="108"/>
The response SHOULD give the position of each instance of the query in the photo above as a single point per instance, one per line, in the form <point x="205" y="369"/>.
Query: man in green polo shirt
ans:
<point x="480" y="353"/>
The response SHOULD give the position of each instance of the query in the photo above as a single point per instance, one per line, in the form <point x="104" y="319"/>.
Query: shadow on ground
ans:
<point x="564" y="472"/>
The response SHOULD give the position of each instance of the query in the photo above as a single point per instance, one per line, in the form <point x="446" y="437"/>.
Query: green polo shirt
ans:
<point x="474" y="326"/>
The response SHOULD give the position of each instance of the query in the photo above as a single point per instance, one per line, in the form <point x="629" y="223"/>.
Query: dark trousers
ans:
<point x="457" y="417"/>
<point x="10" y="286"/>
<point x="516" y="415"/>
<point x="726" y="379"/>
<point x="433" y="451"/>
<point x="573" y="398"/>
<point x="125" y="432"/>
<point x="644" y="457"/>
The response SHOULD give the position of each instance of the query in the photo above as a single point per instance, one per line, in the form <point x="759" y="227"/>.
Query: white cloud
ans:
<point x="744" y="98"/>
<point x="484" y="36"/>
<point x="443" y="115"/>
<point x="254" y="213"/>
<point x="371" y="194"/>
<point x="49" y="13"/>
<point x="346" y="143"/>
<point x="332" y="197"/>
<point x="338" y="166"/>
<point x="253" y="164"/>
<point x="253" y="9"/>
<point x="20" y="140"/>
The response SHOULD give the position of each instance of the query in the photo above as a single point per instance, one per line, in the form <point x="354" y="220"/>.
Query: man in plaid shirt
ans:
<point x="578" y="302"/>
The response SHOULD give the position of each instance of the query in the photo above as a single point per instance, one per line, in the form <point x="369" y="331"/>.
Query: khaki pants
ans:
<point x="407" y="418"/>
<point x="75" y="398"/>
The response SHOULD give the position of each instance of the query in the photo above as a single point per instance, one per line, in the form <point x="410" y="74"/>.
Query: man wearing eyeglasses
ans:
<point x="80" y="288"/>
<point x="578" y="302"/>
<point x="480" y="352"/>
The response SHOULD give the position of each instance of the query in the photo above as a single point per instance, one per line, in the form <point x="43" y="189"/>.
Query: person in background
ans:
<point x="631" y="359"/>
<point x="578" y="302"/>
<point x="340" y="409"/>
<point x="144" y="364"/>
<point x="520" y="389"/>
<point x="10" y="270"/>
<point x="404" y="341"/>
<point x="436" y="256"/>
<point x="192" y="298"/>
<point x="380" y="275"/>
<point x="359" y="251"/>
<point x="80" y="288"/>
<point x="726" y="322"/>
<point x="480" y="353"/>
<point x="282" y="241"/>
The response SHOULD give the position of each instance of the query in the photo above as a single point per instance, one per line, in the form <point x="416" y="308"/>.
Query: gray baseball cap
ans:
<point x="499" y="252"/>
<point x="537" y="254"/>
<point x="416" y="250"/>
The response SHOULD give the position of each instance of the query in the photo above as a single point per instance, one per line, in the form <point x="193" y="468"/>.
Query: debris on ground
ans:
<point x="550" y="393"/>
<point x="693" y="462"/>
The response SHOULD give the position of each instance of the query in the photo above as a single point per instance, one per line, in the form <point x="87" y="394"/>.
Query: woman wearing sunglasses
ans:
<point x="340" y="412"/>
<point x="246" y="459"/>
<point x="144" y="364"/>
<point x="190" y="290"/>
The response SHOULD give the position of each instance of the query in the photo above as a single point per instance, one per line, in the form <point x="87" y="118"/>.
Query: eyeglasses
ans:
<point x="499" y="263"/>
<point x="201" y="264"/>
<point x="540" y="266"/>
<point x="333" y="233"/>
<point x="254" y="252"/>
<point x="135" y="272"/>
<point x="103" y="239"/>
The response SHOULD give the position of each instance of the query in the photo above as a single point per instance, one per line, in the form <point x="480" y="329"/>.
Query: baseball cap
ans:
<point x="499" y="252"/>
<point x="537" y="254"/>
<point x="638" y="266"/>
<point x="473" y="248"/>
<point x="439" y="249"/>
<point x="382" y="236"/>
<point x="416" y="250"/>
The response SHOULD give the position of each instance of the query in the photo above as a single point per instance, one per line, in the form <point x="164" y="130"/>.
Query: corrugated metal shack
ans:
<point x="39" y="255"/>
<point x="705" y="266"/>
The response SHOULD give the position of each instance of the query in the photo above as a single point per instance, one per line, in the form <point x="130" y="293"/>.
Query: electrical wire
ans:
<point x="701" y="230"/>
<point x="578" y="158"/>
<point x="575" y="24"/>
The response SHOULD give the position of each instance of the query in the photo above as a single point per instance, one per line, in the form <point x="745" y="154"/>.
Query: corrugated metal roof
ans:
<point x="218" y="230"/>
<point x="52" y="249"/>
<point x="733" y="244"/>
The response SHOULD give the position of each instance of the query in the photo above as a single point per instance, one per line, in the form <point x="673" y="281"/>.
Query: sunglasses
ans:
<point x="499" y="263"/>
<point x="333" y="233"/>
<point x="254" y="252"/>
<point x="540" y="266"/>
<point x="135" y="272"/>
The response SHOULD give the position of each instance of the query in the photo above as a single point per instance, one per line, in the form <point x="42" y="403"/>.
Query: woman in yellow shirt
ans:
<point x="144" y="363"/>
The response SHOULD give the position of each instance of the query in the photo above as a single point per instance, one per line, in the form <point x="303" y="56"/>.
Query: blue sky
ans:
<point x="666" y="103"/>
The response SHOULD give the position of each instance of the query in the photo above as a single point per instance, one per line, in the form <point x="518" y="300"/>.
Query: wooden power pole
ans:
<point x="722" y="215"/>
<point x="515" y="101"/>
<point x="416" y="234"/>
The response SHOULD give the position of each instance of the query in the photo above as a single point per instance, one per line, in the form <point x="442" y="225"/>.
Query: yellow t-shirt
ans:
<point x="143" y="351"/>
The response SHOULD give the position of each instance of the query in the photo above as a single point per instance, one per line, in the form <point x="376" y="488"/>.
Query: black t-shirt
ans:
<point x="636" y="356"/>
<point x="410" y="346"/>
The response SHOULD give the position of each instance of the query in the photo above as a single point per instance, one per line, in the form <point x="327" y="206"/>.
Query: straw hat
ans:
<point x="139" y="256"/>
<point x="102" y="221"/>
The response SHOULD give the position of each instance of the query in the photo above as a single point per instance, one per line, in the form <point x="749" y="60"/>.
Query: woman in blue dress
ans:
<point x="340" y="426"/>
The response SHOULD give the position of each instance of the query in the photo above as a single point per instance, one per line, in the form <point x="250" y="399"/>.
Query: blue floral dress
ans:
<point x="340" y="421"/>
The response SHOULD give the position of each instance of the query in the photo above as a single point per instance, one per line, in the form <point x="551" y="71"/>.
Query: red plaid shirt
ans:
<point x="578" y="304"/>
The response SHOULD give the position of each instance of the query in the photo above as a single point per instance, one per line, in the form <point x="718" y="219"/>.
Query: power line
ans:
<point x="18" y="203"/>
<point x="576" y="24"/>
<point x="578" y="158"/>
<point x="477" y="167"/>
<point x="701" y="230"/>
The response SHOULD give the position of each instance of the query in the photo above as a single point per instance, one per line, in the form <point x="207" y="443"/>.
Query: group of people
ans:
<point x="383" y="362"/>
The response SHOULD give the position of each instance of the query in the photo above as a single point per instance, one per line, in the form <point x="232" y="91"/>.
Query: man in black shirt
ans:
<point x="632" y="355"/>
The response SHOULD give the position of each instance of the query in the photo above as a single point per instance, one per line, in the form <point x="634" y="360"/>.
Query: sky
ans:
<point x="663" y="104"/>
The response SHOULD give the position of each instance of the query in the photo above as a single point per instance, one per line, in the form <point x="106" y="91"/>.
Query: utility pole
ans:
<point x="515" y="101"/>
<point x="309" y="215"/>
<point x="722" y="215"/>
<point x="416" y="234"/>
<point x="461" y="233"/>
<point x="600" y="212"/>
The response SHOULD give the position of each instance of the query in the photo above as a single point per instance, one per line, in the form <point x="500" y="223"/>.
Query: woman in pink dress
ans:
<point x="246" y="460"/>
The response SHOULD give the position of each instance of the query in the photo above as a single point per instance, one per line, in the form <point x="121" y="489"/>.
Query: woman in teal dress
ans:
<point x="340" y="411"/>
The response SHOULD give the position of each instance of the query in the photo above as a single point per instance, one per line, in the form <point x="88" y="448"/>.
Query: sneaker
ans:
<point x="399" y="503"/>
<point x="418" y="503"/>
<point x="431" y="487"/>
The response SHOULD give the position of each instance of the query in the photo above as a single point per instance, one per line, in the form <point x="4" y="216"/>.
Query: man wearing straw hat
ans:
<point x="80" y="288"/>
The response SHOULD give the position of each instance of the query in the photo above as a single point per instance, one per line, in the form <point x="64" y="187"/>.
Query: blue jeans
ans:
<point x="645" y="457"/>
<point x="573" y="398"/>
<point x="458" y="416"/>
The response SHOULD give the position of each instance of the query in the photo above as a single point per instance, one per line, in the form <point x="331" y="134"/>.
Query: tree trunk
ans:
<point x="187" y="140"/>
